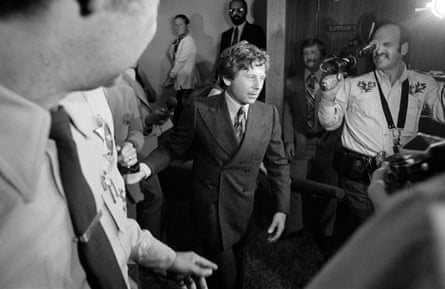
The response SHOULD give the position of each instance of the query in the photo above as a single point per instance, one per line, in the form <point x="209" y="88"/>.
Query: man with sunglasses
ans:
<point x="242" y="29"/>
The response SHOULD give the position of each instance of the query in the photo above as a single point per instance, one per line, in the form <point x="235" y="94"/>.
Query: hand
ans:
<point x="127" y="156"/>
<point x="161" y="114"/>
<point x="194" y="267"/>
<point x="377" y="188"/>
<point x="189" y="282"/>
<point x="143" y="173"/>
<point x="290" y="150"/>
<point x="276" y="228"/>
<point x="157" y="116"/>
<point x="330" y="85"/>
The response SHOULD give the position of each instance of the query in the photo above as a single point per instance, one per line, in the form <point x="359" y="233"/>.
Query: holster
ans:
<point x="353" y="165"/>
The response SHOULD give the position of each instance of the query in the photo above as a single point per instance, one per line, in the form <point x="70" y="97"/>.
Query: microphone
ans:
<point x="368" y="49"/>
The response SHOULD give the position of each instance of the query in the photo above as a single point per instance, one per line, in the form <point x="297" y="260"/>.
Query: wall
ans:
<point x="311" y="18"/>
<point x="208" y="19"/>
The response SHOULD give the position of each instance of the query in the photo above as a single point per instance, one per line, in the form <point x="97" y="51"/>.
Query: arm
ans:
<point x="150" y="252"/>
<point x="435" y="100"/>
<point x="333" y="103"/>
<point x="135" y="135"/>
<point x="277" y="167"/>
<point x="178" y="142"/>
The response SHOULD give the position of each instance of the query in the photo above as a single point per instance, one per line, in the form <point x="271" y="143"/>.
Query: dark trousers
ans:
<point x="182" y="96"/>
<point x="149" y="210"/>
<point x="359" y="206"/>
<point x="231" y="263"/>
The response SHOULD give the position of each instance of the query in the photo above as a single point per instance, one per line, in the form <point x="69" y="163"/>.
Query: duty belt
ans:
<point x="354" y="165"/>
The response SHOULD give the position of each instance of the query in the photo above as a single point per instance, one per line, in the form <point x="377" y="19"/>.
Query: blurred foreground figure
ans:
<point x="404" y="242"/>
<point x="59" y="229"/>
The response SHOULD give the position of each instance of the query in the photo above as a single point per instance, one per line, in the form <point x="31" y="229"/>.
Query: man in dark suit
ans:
<point x="309" y="147"/>
<point x="228" y="136"/>
<point x="242" y="30"/>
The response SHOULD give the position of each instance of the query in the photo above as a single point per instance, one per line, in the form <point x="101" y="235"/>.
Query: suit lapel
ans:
<point x="217" y="119"/>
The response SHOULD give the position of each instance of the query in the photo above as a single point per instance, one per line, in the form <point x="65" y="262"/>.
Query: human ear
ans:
<point x="404" y="48"/>
<point x="227" y="81"/>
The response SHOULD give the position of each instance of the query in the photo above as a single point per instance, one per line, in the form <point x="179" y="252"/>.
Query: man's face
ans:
<point x="179" y="26"/>
<point x="312" y="57"/>
<point x="237" y="12"/>
<point x="247" y="84"/>
<point x="388" y="54"/>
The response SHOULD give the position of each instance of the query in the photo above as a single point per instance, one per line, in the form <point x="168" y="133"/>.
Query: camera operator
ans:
<point x="380" y="111"/>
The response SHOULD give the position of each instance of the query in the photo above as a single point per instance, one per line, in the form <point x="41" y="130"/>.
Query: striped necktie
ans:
<point x="310" y="100"/>
<point x="240" y="124"/>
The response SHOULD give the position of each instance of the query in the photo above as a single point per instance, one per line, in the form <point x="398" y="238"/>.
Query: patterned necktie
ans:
<point x="235" y="35"/>
<point x="310" y="100"/>
<point x="95" y="252"/>
<point x="240" y="123"/>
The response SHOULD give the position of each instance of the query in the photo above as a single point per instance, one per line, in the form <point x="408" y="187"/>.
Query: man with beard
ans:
<point x="308" y="145"/>
<point x="380" y="110"/>
<point x="242" y="30"/>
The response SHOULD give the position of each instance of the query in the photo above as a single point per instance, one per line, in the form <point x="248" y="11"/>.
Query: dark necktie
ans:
<point x="95" y="252"/>
<point x="240" y="123"/>
<point x="177" y="41"/>
<point x="235" y="35"/>
<point x="310" y="100"/>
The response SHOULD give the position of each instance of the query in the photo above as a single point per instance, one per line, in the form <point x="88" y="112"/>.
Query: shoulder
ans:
<point x="415" y="76"/>
<point x="254" y="27"/>
<point x="207" y="101"/>
<point x="265" y="108"/>
<point x="225" y="32"/>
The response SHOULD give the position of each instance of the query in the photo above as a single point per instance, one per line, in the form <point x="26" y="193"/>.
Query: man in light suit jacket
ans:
<point x="246" y="31"/>
<point x="308" y="146"/>
<point x="227" y="148"/>
<point x="182" y="53"/>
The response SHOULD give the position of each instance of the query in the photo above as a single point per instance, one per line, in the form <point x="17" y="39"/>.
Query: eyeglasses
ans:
<point x="234" y="10"/>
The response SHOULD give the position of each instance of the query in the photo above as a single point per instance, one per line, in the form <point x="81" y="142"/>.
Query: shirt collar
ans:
<point x="24" y="130"/>
<point x="317" y="74"/>
<point x="240" y="28"/>
<point x="76" y="102"/>
<point x="234" y="106"/>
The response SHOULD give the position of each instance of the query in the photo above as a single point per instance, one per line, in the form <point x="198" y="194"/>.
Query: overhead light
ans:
<point x="438" y="8"/>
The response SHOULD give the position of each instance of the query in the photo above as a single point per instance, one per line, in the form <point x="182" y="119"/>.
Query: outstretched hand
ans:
<point x="276" y="228"/>
<point x="192" y="270"/>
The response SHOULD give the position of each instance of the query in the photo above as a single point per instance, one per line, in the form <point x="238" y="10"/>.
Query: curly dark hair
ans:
<point x="241" y="56"/>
